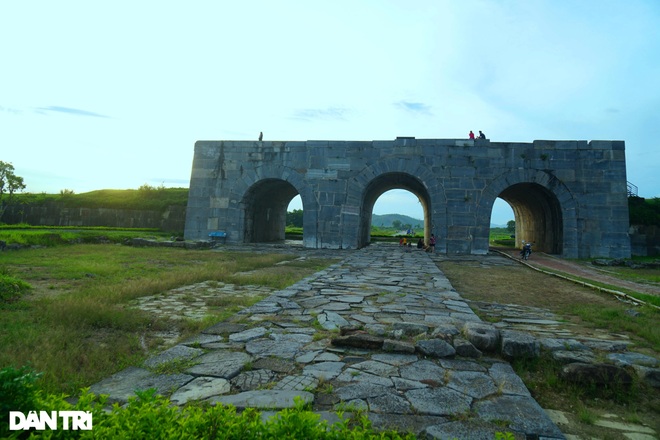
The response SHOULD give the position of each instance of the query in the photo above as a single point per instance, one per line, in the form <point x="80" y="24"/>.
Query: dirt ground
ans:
<point x="496" y="279"/>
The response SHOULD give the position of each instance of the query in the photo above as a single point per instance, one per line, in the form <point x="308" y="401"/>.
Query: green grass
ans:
<point x="617" y="321"/>
<point x="26" y="235"/>
<point x="75" y="326"/>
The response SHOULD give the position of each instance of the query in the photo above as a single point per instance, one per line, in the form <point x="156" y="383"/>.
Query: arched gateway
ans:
<point x="568" y="197"/>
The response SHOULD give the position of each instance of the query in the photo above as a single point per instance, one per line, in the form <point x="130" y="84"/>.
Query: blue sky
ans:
<point x="114" y="94"/>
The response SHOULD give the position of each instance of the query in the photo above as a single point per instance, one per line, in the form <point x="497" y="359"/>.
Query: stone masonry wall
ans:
<point x="53" y="214"/>
<point x="572" y="191"/>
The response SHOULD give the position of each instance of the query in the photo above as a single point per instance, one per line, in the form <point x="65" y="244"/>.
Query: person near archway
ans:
<point x="261" y="136"/>
<point x="471" y="134"/>
<point x="482" y="135"/>
<point x="431" y="247"/>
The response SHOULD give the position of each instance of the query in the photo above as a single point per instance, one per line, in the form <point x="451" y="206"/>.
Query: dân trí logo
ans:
<point x="70" y="420"/>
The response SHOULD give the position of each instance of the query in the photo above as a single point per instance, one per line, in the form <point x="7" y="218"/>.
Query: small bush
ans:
<point x="12" y="288"/>
<point x="17" y="393"/>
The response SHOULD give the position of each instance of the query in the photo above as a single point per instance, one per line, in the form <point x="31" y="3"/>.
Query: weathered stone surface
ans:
<point x="555" y="344"/>
<point x="436" y="348"/>
<point x="357" y="376"/>
<point x="284" y="346"/>
<point x="624" y="359"/>
<point x="398" y="346"/>
<point x="395" y="358"/>
<point x="324" y="370"/>
<point x="248" y="335"/>
<point x="275" y="364"/>
<point x="423" y="370"/>
<point x="411" y="328"/>
<point x="331" y="321"/>
<point x="465" y="348"/>
<point x="472" y="383"/>
<point x="483" y="336"/>
<point x="362" y="391"/>
<point x="176" y="353"/>
<point x="507" y="381"/>
<point x="473" y="430"/>
<point x="224" y="328"/>
<point x="650" y="376"/>
<point x="523" y="414"/>
<point x="569" y="357"/>
<point x="438" y="401"/>
<point x="297" y="383"/>
<point x="200" y="388"/>
<point x="390" y="404"/>
<point x="403" y="423"/>
<point x="599" y="374"/>
<point x="253" y="379"/>
<point x="361" y="340"/>
<point x="121" y="386"/>
<point x="264" y="399"/>
<point x="225" y="364"/>
<point x="517" y="345"/>
<point x="378" y="368"/>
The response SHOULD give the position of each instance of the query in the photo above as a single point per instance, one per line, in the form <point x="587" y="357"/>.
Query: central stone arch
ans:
<point x="384" y="183"/>
<point x="410" y="174"/>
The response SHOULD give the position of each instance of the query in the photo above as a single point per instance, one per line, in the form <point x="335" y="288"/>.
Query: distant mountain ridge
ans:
<point x="386" y="220"/>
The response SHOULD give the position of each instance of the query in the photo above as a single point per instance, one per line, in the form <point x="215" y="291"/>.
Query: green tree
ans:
<point x="295" y="218"/>
<point x="9" y="184"/>
<point x="396" y="224"/>
<point x="511" y="226"/>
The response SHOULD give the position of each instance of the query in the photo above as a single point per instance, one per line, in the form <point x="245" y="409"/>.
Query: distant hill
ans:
<point x="387" y="219"/>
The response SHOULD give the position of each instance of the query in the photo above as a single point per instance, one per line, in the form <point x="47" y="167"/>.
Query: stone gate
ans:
<point x="568" y="197"/>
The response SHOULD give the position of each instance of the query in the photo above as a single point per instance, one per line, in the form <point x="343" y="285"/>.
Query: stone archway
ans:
<point x="545" y="210"/>
<point x="384" y="183"/>
<point x="538" y="216"/>
<point x="265" y="205"/>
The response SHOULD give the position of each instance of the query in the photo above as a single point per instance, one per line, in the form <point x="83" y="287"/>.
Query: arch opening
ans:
<point x="265" y="207"/>
<point x="387" y="182"/>
<point x="538" y="216"/>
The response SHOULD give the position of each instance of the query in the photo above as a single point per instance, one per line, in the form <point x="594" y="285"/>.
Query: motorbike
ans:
<point x="526" y="251"/>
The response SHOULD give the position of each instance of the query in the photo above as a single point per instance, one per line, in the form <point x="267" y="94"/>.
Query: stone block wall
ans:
<point x="569" y="196"/>
<point x="55" y="214"/>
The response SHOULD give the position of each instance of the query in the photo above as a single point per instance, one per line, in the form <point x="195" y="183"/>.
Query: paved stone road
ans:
<point x="400" y="356"/>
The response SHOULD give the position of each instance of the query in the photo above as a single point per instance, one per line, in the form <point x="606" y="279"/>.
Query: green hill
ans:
<point x="387" y="220"/>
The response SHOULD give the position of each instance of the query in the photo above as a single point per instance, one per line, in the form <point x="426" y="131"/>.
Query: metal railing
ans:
<point x="632" y="189"/>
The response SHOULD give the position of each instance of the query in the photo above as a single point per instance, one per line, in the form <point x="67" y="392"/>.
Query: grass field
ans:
<point x="74" y="324"/>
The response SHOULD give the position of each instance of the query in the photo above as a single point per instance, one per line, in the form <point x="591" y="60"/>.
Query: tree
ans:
<point x="295" y="218"/>
<point x="511" y="226"/>
<point x="9" y="184"/>
<point x="396" y="224"/>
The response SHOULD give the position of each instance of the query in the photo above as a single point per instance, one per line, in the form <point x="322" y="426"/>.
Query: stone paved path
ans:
<point x="383" y="330"/>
